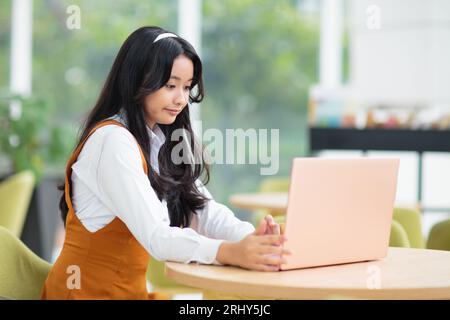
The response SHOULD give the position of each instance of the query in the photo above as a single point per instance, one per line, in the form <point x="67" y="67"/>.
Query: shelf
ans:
<point x="379" y="139"/>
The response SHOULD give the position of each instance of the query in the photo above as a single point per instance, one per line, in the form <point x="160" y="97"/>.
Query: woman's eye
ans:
<point x="171" y="86"/>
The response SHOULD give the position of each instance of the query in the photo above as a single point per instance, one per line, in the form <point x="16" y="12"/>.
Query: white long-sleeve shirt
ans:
<point x="108" y="181"/>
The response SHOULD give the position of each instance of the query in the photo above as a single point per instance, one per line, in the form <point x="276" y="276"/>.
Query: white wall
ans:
<point x="406" y="60"/>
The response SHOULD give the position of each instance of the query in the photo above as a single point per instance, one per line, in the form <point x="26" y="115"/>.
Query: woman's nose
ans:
<point x="181" y="98"/>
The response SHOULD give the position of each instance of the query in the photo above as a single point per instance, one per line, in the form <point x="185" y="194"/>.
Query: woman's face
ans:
<point x="163" y="105"/>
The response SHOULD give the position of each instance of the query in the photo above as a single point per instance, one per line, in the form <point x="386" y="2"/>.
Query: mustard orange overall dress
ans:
<point x="110" y="263"/>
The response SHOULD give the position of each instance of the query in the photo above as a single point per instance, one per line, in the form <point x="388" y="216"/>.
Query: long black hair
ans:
<point x="140" y="68"/>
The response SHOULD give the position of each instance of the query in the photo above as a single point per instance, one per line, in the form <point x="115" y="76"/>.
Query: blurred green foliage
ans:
<point x="28" y="137"/>
<point x="260" y="57"/>
<point x="69" y="69"/>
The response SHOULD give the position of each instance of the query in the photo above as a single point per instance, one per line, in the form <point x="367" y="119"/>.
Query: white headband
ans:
<point x="165" y="35"/>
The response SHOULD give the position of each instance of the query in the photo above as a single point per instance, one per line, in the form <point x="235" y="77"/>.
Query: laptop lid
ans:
<point x="339" y="210"/>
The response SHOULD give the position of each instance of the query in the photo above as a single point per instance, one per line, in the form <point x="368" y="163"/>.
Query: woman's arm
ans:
<point x="124" y="188"/>
<point x="217" y="221"/>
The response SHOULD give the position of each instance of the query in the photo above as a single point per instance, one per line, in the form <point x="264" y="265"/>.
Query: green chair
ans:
<point x="161" y="284"/>
<point x="439" y="237"/>
<point x="15" y="197"/>
<point x="411" y="221"/>
<point x="398" y="236"/>
<point x="22" y="273"/>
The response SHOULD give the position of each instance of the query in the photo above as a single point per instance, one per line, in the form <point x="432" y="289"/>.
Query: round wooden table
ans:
<point x="404" y="274"/>
<point x="275" y="202"/>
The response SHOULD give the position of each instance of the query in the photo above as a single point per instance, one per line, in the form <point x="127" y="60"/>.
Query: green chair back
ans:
<point x="162" y="284"/>
<point x="22" y="273"/>
<point x="15" y="197"/>
<point x="155" y="274"/>
<point x="398" y="236"/>
<point x="411" y="221"/>
<point x="439" y="237"/>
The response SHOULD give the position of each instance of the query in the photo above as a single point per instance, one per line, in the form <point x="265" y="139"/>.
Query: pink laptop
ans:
<point x="339" y="210"/>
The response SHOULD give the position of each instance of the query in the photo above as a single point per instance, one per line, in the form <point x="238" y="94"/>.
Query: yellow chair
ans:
<point x="411" y="221"/>
<point x="22" y="273"/>
<point x="161" y="284"/>
<point x="398" y="236"/>
<point x="15" y="197"/>
<point x="439" y="238"/>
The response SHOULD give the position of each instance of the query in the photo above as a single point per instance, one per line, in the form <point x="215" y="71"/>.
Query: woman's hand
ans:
<point x="267" y="226"/>
<point x="254" y="252"/>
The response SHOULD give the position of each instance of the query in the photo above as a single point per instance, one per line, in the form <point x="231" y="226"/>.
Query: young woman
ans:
<point x="124" y="196"/>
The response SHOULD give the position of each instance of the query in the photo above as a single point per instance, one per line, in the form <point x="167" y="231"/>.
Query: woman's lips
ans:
<point x="172" y="112"/>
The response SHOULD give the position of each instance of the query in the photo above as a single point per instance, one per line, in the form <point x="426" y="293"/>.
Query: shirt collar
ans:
<point x="156" y="134"/>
